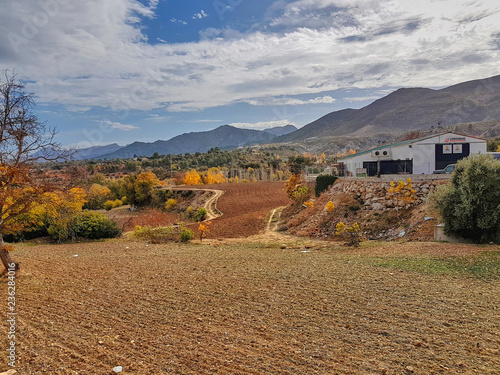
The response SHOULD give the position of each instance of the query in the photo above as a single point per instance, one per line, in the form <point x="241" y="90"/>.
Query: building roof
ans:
<point x="410" y="141"/>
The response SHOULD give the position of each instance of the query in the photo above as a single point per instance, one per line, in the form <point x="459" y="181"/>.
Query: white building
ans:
<point x="416" y="156"/>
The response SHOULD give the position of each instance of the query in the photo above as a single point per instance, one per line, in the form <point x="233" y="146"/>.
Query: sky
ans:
<point x="119" y="71"/>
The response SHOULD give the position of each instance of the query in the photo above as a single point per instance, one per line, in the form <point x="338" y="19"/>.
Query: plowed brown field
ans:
<point x="245" y="206"/>
<point x="248" y="309"/>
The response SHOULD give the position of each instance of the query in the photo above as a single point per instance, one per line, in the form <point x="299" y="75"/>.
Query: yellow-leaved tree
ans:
<point x="204" y="228"/>
<point x="214" y="176"/>
<point x="192" y="178"/>
<point x="24" y="140"/>
<point x="329" y="206"/>
<point x="97" y="196"/>
<point x="144" y="186"/>
<point x="59" y="208"/>
<point x="402" y="193"/>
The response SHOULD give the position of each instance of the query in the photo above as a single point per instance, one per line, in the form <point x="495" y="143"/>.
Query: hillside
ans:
<point x="410" y="109"/>
<point x="94" y="152"/>
<point x="225" y="137"/>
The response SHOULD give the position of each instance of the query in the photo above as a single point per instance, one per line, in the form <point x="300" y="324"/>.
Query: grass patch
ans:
<point x="484" y="266"/>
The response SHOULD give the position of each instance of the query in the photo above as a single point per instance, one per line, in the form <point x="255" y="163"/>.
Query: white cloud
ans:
<point x="77" y="108"/>
<point x="119" y="126"/>
<point x="94" y="53"/>
<point x="175" y="20"/>
<point x="200" y="15"/>
<point x="210" y="33"/>
<point x="292" y="101"/>
<point x="207" y="121"/>
<point x="261" y="125"/>
<point x="157" y="118"/>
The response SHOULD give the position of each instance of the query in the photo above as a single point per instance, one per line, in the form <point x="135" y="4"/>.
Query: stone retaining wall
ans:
<point x="374" y="192"/>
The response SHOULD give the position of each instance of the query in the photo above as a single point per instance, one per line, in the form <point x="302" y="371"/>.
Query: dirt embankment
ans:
<point x="415" y="222"/>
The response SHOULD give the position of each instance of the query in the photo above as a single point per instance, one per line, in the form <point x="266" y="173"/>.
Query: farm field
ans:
<point x="245" y="307"/>
<point x="245" y="207"/>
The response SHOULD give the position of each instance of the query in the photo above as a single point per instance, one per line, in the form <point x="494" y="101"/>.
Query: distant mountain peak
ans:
<point x="406" y="109"/>
<point x="225" y="137"/>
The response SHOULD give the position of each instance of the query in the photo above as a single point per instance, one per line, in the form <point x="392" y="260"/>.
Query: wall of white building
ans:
<point x="423" y="152"/>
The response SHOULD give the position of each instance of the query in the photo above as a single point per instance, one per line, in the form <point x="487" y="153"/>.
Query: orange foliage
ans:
<point x="292" y="184"/>
<point x="148" y="178"/>
<point x="204" y="228"/>
<point x="193" y="178"/>
<point x="214" y="176"/>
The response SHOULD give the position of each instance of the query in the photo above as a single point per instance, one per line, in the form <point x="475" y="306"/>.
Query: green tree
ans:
<point x="470" y="206"/>
<point x="323" y="182"/>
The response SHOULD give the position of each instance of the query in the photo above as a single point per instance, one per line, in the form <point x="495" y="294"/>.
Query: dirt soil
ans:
<point x="128" y="220"/>
<point x="245" y="207"/>
<point x="248" y="308"/>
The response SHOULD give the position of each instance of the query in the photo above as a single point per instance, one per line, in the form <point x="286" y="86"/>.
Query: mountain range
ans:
<point x="472" y="107"/>
<point x="225" y="137"/>
<point x="409" y="109"/>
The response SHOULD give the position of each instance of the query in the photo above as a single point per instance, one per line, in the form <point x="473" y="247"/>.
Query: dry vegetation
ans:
<point x="254" y="309"/>
<point x="153" y="217"/>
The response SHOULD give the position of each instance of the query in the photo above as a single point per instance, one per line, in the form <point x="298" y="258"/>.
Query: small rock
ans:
<point x="118" y="369"/>
<point x="409" y="368"/>
<point x="283" y="246"/>
<point x="74" y="256"/>
<point x="401" y="234"/>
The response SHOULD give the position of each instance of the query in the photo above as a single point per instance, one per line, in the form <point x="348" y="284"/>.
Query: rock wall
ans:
<point x="374" y="193"/>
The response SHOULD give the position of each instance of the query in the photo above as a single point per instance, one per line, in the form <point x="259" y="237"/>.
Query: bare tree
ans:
<point x="24" y="141"/>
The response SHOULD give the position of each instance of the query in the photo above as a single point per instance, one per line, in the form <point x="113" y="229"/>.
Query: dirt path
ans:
<point x="210" y="204"/>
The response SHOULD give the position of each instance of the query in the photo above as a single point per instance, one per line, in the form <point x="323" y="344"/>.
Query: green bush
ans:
<point x="170" y="204"/>
<point x="200" y="214"/>
<point x="109" y="205"/>
<point x="94" y="225"/>
<point x="59" y="232"/>
<point x="186" y="234"/>
<point x="164" y="234"/>
<point x="190" y="211"/>
<point x="301" y="194"/>
<point x="156" y="235"/>
<point x="323" y="182"/>
<point x="470" y="205"/>
<point x="88" y="224"/>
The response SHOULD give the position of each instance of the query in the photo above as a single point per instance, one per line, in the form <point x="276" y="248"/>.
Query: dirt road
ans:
<point x="210" y="204"/>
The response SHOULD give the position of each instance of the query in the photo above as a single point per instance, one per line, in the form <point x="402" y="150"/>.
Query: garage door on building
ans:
<point x="389" y="167"/>
<point x="450" y="153"/>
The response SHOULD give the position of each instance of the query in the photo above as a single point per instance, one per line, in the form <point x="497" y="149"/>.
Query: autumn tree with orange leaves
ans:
<point x="24" y="140"/>
<point x="193" y="178"/>
<point x="214" y="176"/>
